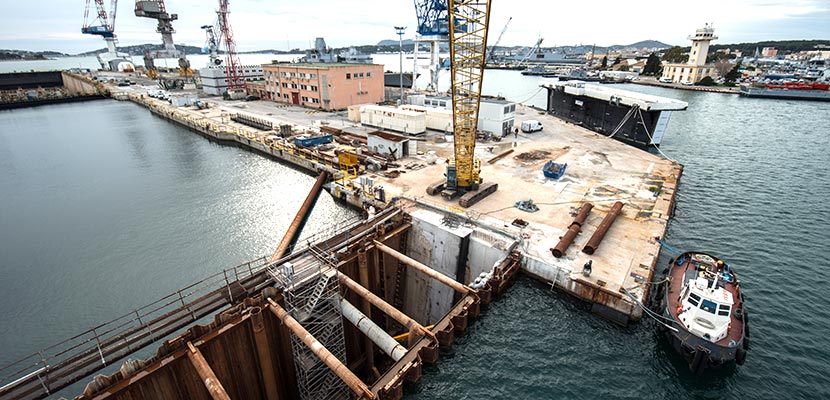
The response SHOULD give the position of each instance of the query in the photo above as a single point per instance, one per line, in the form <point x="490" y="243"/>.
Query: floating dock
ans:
<point x="323" y="321"/>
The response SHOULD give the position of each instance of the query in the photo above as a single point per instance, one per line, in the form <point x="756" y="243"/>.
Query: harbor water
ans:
<point x="106" y="207"/>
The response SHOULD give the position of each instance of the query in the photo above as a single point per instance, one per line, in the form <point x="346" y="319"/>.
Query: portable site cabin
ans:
<point x="394" y="119"/>
<point x="388" y="143"/>
<point x="438" y="119"/>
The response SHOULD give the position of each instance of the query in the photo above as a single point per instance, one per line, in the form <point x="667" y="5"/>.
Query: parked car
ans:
<point x="686" y="83"/>
<point x="665" y="80"/>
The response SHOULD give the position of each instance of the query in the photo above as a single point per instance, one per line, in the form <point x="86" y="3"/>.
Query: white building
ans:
<point x="387" y="143"/>
<point x="696" y="68"/>
<point x="215" y="82"/>
<point x="494" y="115"/>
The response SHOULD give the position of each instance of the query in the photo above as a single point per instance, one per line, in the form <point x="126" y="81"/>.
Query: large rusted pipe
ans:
<point x="263" y="350"/>
<point x="387" y="308"/>
<point x="296" y="226"/>
<point x="458" y="287"/>
<point x="350" y="379"/>
<point x="214" y="387"/>
<point x="602" y="229"/>
<point x="573" y="230"/>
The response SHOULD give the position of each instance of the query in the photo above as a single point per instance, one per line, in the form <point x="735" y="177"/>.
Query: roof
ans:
<point x="389" y="136"/>
<point x="320" y="65"/>
<point x="646" y="102"/>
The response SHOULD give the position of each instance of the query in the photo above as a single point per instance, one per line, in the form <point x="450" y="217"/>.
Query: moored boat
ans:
<point x="706" y="319"/>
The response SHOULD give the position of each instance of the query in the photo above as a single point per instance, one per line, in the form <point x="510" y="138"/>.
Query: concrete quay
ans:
<point x="600" y="171"/>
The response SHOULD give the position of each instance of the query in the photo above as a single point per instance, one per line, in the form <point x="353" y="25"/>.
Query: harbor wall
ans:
<point x="28" y="89"/>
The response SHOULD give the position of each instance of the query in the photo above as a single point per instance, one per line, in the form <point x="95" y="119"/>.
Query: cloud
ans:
<point x="272" y="24"/>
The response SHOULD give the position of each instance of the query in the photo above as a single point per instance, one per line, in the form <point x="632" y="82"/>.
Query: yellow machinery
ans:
<point x="469" y="21"/>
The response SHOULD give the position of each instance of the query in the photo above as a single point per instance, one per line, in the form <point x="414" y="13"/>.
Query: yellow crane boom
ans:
<point x="469" y="22"/>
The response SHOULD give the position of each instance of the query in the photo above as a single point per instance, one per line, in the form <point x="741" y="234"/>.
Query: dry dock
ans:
<point x="357" y="314"/>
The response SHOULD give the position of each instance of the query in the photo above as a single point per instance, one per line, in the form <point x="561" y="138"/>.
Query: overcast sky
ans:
<point x="281" y="24"/>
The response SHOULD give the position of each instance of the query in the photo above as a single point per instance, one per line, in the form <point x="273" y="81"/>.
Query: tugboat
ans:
<point x="707" y="321"/>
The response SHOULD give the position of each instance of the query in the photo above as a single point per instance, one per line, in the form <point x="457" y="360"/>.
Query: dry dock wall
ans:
<point x="459" y="251"/>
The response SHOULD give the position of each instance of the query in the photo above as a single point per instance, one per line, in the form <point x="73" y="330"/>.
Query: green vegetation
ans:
<point x="652" y="65"/>
<point x="676" y="54"/>
<point x="604" y="64"/>
<point x="706" y="81"/>
<point x="732" y="75"/>
<point x="783" y="46"/>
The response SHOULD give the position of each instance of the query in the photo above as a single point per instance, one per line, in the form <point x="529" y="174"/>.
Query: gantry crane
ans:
<point x="103" y="24"/>
<point x="155" y="9"/>
<point x="433" y="28"/>
<point x="469" y="20"/>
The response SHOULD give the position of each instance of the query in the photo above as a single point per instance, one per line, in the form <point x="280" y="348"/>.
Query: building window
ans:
<point x="293" y="86"/>
<point x="368" y="74"/>
<point x="313" y="88"/>
<point x="313" y="76"/>
<point x="361" y="74"/>
<point x="348" y="76"/>
<point x="284" y="84"/>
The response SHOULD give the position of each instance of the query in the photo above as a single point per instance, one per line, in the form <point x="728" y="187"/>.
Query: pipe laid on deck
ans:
<point x="296" y="226"/>
<point x="350" y="379"/>
<point x="375" y="333"/>
<point x="573" y="230"/>
<point x="602" y="229"/>
<point x="214" y="387"/>
<point x="458" y="287"/>
<point x="387" y="308"/>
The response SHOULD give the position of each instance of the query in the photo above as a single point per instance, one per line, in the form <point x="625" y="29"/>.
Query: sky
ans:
<point x="273" y="24"/>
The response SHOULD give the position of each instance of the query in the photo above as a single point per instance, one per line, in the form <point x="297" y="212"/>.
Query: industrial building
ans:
<point x="215" y="80"/>
<point x="327" y="86"/>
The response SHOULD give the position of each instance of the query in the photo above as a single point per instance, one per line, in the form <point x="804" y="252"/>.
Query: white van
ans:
<point x="531" y="125"/>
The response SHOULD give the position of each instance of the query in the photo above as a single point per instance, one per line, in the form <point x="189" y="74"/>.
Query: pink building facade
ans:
<point x="327" y="86"/>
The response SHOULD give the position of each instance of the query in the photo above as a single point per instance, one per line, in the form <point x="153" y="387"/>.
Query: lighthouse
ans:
<point x="696" y="68"/>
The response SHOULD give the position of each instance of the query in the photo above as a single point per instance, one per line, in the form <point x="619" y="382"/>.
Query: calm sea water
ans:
<point x="105" y="207"/>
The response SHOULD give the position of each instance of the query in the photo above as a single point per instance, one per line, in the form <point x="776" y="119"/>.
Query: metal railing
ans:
<point x="57" y="366"/>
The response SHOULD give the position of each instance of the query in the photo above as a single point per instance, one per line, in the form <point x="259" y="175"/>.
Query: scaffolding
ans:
<point x="312" y="298"/>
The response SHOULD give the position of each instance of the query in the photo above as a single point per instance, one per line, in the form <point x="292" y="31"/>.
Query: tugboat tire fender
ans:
<point x="740" y="356"/>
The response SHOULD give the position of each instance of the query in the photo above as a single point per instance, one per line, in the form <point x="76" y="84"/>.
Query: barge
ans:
<point x="634" y="118"/>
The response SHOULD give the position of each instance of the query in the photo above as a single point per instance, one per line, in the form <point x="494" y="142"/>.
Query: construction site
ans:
<point x="452" y="218"/>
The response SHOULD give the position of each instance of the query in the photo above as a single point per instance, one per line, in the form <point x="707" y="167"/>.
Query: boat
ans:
<point x="579" y="75"/>
<point x="554" y="170"/>
<point x="706" y="318"/>
<point x="789" y="90"/>
<point x="537" y="70"/>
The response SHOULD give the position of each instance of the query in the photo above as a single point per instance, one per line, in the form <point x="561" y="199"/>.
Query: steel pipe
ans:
<point x="387" y="308"/>
<point x="375" y="333"/>
<point x="296" y="226"/>
<point x="458" y="287"/>
<point x="573" y="230"/>
<point x="350" y="379"/>
<point x="603" y="228"/>
<point x="214" y="387"/>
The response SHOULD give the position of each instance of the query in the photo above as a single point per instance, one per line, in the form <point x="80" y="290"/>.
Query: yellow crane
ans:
<point x="469" y="21"/>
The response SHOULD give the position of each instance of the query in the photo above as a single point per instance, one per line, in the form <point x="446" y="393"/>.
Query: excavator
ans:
<point x="469" y="21"/>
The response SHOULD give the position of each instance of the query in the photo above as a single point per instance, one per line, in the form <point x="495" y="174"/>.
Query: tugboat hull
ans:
<point x="700" y="349"/>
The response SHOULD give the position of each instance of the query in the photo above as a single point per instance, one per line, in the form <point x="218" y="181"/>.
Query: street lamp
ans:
<point x="399" y="30"/>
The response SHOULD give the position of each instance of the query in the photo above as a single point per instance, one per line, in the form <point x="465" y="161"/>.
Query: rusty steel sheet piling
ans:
<point x="603" y="228"/>
<point x="293" y="232"/>
<point x="211" y="382"/>
<point x="387" y="308"/>
<point x="263" y="350"/>
<point x="573" y="230"/>
<point x="347" y="376"/>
